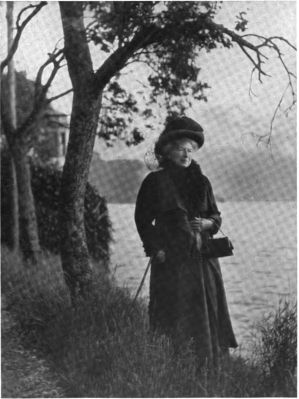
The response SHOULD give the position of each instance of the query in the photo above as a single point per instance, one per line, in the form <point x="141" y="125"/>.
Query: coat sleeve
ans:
<point x="213" y="212"/>
<point x="145" y="213"/>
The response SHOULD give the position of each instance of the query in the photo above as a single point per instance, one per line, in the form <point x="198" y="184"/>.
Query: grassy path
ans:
<point x="23" y="373"/>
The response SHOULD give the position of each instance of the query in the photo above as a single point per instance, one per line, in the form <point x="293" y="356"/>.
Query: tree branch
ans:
<point x="258" y="65"/>
<point x="56" y="66"/>
<point x="40" y="90"/>
<point x="269" y="135"/>
<point x="49" y="100"/>
<point x="118" y="59"/>
<point x="20" y="28"/>
<point x="243" y="43"/>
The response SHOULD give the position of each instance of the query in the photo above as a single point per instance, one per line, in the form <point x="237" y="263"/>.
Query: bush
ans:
<point x="45" y="183"/>
<point x="102" y="351"/>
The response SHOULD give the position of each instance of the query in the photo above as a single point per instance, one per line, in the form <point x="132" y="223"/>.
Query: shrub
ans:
<point x="45" y="183"/>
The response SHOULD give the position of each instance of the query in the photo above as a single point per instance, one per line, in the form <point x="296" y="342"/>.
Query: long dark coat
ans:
<point x="187" y="297"/>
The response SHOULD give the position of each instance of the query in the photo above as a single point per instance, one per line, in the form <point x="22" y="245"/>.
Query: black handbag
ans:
<point x="218" y="247"/>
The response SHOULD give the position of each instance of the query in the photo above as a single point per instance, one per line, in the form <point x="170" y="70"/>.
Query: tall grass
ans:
<point x="275" y="347"/>
<point x="100" y="350"/>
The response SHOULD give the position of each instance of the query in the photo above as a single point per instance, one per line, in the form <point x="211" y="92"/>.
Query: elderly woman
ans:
<point x="175" y="214"/>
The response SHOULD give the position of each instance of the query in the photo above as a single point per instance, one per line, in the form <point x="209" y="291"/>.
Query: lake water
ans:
<point x="263" y="268"/>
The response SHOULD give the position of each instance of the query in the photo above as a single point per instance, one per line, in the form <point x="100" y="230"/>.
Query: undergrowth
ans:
<point x="100" y="349"/>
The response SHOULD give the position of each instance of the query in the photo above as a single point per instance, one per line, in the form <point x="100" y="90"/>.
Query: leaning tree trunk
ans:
<point x="85" y="112"/>
<point x="74" y="252"/>
<point x="87" y="89"/>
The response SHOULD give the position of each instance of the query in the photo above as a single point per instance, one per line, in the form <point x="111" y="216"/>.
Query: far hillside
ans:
<point x="118" y="180"/>
<point x="235" y="177"/>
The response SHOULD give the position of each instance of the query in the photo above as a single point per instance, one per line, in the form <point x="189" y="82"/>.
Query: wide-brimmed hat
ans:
<point x="179" y="128"/>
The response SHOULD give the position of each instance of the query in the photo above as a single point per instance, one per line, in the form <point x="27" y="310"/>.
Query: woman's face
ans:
<point x="181" y="152"/>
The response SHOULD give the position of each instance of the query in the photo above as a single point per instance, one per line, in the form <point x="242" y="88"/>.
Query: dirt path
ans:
<point x="23" y="373"/>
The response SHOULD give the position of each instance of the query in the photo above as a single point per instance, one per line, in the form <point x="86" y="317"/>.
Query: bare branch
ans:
<point x="41" y="90"/>
<point x="244" y="43"/>
<point x="20" y="28"/>
<point x="269" y="43"/>
<point x="250" y="84"/>
<point x="49" y="100"/>
<point x="270" y="39"/>
<point x="269" y="135"/>
<point x="56" y="66"/>
<point x="257" y="66"/>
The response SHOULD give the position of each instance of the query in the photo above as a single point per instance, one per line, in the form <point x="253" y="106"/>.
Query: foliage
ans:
<point x="102" y="351"/>
<point x="117" y="114"/>
<point x="46" y="181"/>
<point x="171" y="35"/>
<point x="171" y="56"/>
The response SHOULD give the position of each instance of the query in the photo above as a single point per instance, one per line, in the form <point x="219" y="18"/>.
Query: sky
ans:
<point x="231" y="115"/>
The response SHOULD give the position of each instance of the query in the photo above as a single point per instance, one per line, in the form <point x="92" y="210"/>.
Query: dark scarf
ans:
<point x="191" y="186"/>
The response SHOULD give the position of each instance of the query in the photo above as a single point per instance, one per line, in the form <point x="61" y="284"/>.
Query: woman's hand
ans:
<point x="201" y="224"/>
<point x="160" y="256"/>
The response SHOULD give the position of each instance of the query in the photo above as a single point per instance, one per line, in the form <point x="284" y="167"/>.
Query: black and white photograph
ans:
<point x="148" y="199"/>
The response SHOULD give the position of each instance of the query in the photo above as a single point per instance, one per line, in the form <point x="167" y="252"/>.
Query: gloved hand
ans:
<point x="201" y="224"/>
<point x="160" y="256"/>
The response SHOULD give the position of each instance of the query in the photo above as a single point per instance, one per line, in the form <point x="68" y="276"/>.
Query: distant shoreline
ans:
<point x="219" y="201"/>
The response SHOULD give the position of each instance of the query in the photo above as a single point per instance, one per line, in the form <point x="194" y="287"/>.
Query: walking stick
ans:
<point x="141" y="284"/>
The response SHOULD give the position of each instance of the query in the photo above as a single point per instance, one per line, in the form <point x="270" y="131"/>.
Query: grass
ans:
<point x="102" y="351"/>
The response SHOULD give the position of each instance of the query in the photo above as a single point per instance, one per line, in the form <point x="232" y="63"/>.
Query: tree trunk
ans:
<point x="74" y="252"/>
<point x="13" y="228"/>
<point x="9" y="206"/>
<point x="28" y="232"/>
<point x="75" y="258"/>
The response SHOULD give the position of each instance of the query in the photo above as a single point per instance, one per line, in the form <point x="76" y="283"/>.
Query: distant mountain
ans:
<point x="118" y="180"/>
<point x="236" y="175"/>
<point x="239" y="175"/>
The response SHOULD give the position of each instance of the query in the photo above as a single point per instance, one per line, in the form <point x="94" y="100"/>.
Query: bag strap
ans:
<point x="211" y="218"/>
<point x="216" y="225"/>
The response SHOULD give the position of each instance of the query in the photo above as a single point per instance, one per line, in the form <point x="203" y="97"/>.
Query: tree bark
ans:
<point x="74" y="252"/>
<point x="28" y="230"/>
<point x="9" y="208"/>
<point x="84" y="119"/>
<point x="13" y="228"/>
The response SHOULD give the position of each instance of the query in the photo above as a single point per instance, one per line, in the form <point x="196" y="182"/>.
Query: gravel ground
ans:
<point x="24" y="374"/>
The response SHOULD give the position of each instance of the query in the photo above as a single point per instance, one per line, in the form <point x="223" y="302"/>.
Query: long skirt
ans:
<point x="188" y="303"/>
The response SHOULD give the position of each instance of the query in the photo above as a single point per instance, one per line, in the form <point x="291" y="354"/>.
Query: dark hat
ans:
<point x="180" y="128"/>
